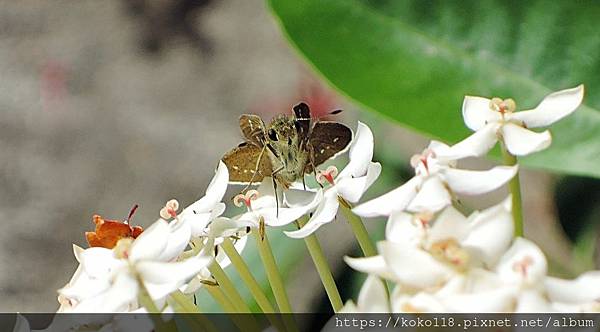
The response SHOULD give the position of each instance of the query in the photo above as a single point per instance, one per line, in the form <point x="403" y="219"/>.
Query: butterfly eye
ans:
<point x="272" y="135"/>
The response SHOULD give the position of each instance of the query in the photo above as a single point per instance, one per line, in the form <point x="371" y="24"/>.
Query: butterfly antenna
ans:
<point x="334" y="112"/>
<point x="131" y="213"/>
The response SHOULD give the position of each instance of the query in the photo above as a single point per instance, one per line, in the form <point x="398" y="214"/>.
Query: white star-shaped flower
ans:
<point x="116" y="273"/>
<point x="419" y="253"/>
<point x="494" y="119"/>
<point x="435" y="182"/>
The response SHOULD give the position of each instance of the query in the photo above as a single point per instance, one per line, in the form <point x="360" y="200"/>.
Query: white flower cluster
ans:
<point x="157" y="263"/>
<point x="438" y="259"/>
<point x="441" y="261"/>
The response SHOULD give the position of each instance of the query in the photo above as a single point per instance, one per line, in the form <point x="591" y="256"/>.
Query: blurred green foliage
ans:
<point x="413" y="61"/>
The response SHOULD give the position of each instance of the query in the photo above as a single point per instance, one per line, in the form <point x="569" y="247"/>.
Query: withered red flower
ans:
<point x="109" y="232"/>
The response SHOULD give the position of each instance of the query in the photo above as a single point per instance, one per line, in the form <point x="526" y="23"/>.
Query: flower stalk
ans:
<point x="247" y="277"/>
<point x="219" y="297"/>
<point x="514" y="186"/>
<point x="275" y="279"/>
<point x="318" y="257"/>
<point x="184" y="303"/>
<point x="228" y="288"/>
<point x="358" y="228"/>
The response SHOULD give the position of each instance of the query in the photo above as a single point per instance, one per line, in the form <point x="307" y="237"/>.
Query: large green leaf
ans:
<point x="413" y="61"/>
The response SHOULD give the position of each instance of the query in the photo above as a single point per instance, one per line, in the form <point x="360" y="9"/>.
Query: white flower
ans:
<point x="262" y="205"/>
<point x="494" y="119"/>
<point x="372" y="298"/>
<point x="419" y="255"/>
<point x="435" y="182"/>
<point x="207" y="208"/>
<point x="581" y="294"/>
<point x="350" y="184"/>
<point x="116" y="273"/>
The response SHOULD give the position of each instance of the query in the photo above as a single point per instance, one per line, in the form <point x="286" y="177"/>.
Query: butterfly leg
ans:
<point x="275" y="189"/>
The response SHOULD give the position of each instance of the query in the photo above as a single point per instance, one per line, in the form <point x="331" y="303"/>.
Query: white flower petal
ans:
<point x="477" y="113"/>
<point x="178" y="240"/>
<point x="413" y="267"/>
<point x="530" y="300"/>
<point x="373" y="296"/>
<point x="476" y="145"/>
<point x="468" y="182"/>
<point x="117" y="298"/>
<point x="361" y="152"/>
<point x="83" y="286"/>
<point x="99" y="262"/>
<point x="160" y="273"/>
<point x="520" y="141"/>
<point x="152" y="242"/>
<point x="352" y="189"/>
<point x="214" y="192"/>
<point x="491" y="232"/>
<point x="421" y="302"/>
<point x="585" y="288"/>
<point x="432" y="196"/>
<point x="373" y="265"/>
<point x="496" y="300"/>
<point x="401" y="228"/>
<point x="450" y="224"/>
<point x="395" y="200"/>
<point x="523" y="263"/>
<point x="296" y="197"/>
<point x="325" y="213"/>
<point x="554" y="107"/>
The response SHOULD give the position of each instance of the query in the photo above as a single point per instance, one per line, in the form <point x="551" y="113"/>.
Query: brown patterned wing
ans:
<point x="253" y="128"/>
<point x="328" y="139"/>
<point x="243" y="163"/>
<point x="302" y="121"/>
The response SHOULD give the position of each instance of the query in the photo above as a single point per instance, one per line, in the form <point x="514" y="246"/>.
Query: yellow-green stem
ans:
<point x="266" y="255"/>
<point x="515" y="189"/>
<point x="228" y="287"/>
<point x="240" y="321"/>
<point x="184" y="303"/>
<point x="361" y="233"/>
<point x="146" y="301"/>
<point x="247" y="277"/>
<point x="275" y="279"/>
<point x="318" y="257"/>
<point x="358" y="228"/>
<point x="219" y="297"/>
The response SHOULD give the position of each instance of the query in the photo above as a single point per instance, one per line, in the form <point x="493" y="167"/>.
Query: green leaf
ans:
<point x="413" y="62"/>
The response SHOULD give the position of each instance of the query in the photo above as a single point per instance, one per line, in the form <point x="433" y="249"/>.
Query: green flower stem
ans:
<point x="318" y="257"/>
<point x="361" y="234"/>
<point x="146" y="301"/>
<point x="219" y="297"/>
<point x="275" y="279"/>
<point x="515" y="189"/>
<point x="228" y="288"/>
<point x="266" y="255"/>
<point x="247" y="277"/>
<point x="239" y="320"/>
<point x="184" y="303"/>
<point x="358" y="228"/>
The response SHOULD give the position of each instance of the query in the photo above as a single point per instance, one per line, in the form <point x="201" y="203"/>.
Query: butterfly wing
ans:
<point x="302" y="121"/>
<point x="326" y="140"/>
<point x="253" y="128"/>
<point x="244" y="166"/>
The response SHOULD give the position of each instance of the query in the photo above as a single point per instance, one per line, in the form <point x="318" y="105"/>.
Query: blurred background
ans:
<point x="106" y="104"/>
